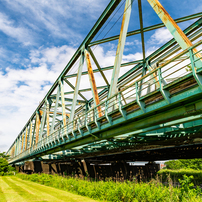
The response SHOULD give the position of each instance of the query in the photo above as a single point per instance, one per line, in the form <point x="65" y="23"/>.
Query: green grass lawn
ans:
<point x="13" y="189"/>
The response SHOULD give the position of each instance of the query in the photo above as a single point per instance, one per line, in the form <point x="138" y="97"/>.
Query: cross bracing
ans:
<point x="156" y="99"/>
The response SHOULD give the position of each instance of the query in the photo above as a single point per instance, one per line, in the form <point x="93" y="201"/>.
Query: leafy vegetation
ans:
<point x="195" y="164"/>
<point x="176" y="169"/>
<point x="5" y="169"/>
<point x="121" y="191"/>
<point x="177" y="175"/>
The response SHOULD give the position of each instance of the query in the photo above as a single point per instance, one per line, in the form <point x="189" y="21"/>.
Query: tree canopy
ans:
<point x="195" y="164"/>
<point x="4" y="167"/>
<point x="3" y="155"/>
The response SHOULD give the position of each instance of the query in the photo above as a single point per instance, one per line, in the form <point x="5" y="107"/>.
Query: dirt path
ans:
<point x="13" y="189"/>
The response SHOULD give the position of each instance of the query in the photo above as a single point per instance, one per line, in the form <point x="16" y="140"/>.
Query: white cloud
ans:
<point x="8" y="27"/>
<point x="161" y="36"/>
<point x="21" y="90"/>
<point x="55" y="57"/>
<point x="57" y="16"/>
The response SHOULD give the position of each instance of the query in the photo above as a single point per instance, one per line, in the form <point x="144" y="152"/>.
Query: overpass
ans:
<point x="154" y="105"/>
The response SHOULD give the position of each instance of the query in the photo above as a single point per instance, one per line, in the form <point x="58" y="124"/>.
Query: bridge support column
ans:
<point x="152" y="168"/>
<point x="87" y="170"/>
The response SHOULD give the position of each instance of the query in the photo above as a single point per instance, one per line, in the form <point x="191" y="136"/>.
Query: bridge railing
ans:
<point x="169" y="71"/>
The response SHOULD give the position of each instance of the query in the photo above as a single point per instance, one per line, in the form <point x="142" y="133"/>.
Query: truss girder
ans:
<point x="135" y="108"/>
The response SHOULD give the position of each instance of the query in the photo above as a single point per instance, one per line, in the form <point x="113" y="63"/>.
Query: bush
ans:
<point x="3" y="166"/>
<point x="5" y="169"/>
<point x="119" y="191"/>
<point x="195" y="164"/>
<point x="177" y="175"/>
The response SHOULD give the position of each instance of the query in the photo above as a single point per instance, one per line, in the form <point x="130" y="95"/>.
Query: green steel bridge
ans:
<point x="155" y="104"/>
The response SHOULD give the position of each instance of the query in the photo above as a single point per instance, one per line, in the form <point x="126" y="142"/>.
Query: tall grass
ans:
<point x="118" y="191"/>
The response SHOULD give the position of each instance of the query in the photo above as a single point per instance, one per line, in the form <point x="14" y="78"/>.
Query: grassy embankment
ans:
<point x="13" y="189"/>
<point x="121" y="191"/>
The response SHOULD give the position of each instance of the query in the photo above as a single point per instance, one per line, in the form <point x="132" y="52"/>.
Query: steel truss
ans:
<point x="158" y="99"/>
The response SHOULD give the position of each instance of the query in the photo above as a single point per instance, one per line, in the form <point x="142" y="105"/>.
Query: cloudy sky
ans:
<point x="38" y="37"/>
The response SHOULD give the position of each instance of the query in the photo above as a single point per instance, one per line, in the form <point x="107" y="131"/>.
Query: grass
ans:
<point x="122" y="191"/>
<point x="13" y="189"/>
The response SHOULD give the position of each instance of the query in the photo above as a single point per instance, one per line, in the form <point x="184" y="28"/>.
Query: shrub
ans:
<point x="5" y="169"/>
<point x="3" y="166"/>
<point x="119" y="191"/>
<point x="195" y="164"/>
<point x="177" y="175"/>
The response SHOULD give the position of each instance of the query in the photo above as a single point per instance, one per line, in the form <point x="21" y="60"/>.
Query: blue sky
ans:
<point x="38" y="37"/>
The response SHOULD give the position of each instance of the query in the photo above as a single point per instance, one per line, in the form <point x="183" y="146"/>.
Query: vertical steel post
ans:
<point x="12" y="152"/>
<point x="174" y="29"/>
<point x="26" y="138"/>
<point x="38" y="122"/>
<point x="47" y="118"/>
<point x="61" y="84"/>
<point x="30" y="135"/>
<point x="92" y="82"/>
<point x="18" y="150"/>
<point x="141" y="28"/>
<point x="43" y="113"/>
<point x="34" y="133"/>
<point x="119" y="52"/>
<point x="55" y="110"/>
<point x="78" y="79"/>
<point x="22" y="142"/>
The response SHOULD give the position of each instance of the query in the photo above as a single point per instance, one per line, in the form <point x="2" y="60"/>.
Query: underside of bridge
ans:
<point x="150" y="110"/>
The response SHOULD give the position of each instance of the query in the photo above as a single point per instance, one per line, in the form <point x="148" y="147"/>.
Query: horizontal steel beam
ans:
<point x="106" y="68"/>
<point x="146" y="29"/>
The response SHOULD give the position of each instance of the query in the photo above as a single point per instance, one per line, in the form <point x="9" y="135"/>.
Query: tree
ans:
<point x="3" y="155"/>
<point x="4" y="167"/>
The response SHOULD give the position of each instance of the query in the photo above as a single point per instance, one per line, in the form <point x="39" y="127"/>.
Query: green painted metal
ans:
<point x="61" y="85"/>
<point x="194" y="66"/>
<point x="91" y="79"/>
<point x="120" y="48"/>
<point x="33" y="132"/>
<point x="139" y="113"/>
<point x="141" y="28"/>
<point x="164" y="92"/>
<point x="42" y="125"/>
<point x="106" y="68"/>
<point x="148" y="121"/>
<point x="55" y="110"/>
<point x="98" y="66"/>
<point x="78" y="79"/>
<point x="146" y="29"/>
<point x="174" y="29"/>
<point x="73" y="89"/>
<point x="98" y="25"/>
